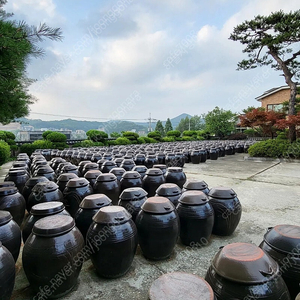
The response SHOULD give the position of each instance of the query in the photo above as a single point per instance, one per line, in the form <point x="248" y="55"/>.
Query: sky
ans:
<point x="127" y="59"/>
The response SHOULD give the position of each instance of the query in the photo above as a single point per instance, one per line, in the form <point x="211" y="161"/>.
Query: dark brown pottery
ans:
<point x="54" y="247"/>
<point x="194" y="184"/>
<point x="158" y="228"/>
<point x="29" y="185"/>
<point x="196" y="218"/>
<point x="150" y="161"/>
<point x="113" y="236"/>
<point x="170" y="191"/>
<point x="7" y="184"/>
<point x="132" y="199"/>
<point x="45" y="171"/>
<point x="40" y="211"/>
<point x="7" y="273"/>
<point x="108" y="184"/>
<point x="141" y="169"/>
<point x="118" y="172"/>
<point x="140" y="159"/>
<point x="282" y="243"/>
<point x="70" y="169"/>
<point x="11" y="200"/>
<point x="88" y="207"/>
<point x="227" y="208"/>
<point x="107" y="166"/>
<point x="81" y="166"/>
<point x="127" y="164"/>
<point x="242" y="270"/>
<point x="75" y="191"/>
<point x="10" y="234"/>
<point x="162" y="167"/>
<point x="89" y="166"/>
<point x="91" y="176"/>
<point x="63" y="179"/>
<point x="152" y="180"/>
<point x="19" y="177"/>
<point x="130" y="179"/>
<point x="175" y="175"/>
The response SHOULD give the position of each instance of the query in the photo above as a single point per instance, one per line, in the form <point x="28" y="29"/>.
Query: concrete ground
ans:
<point x="269" y="191"/>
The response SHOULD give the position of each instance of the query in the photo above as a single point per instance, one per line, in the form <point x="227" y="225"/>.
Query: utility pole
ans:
<point x="150" y="122"/>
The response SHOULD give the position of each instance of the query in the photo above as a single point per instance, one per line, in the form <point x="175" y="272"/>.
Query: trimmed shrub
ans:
<point x="97" y="135"/>
<point x="175" y="133"/>
<point x="187" y="138"/>
<point x="4" y="152"/>
<point x="84" y="144"/>
<point x="155" y="135"/>
<point x="27" y="148"/>
<point x="293" y="150"/>
<point x="168" y="139"/>
<point x="45" y="134"/>
<point x="56" y="137"/>
<point x="141" y="140"/>
<point x="269" y="148"/>
<point x="122" y="141"/>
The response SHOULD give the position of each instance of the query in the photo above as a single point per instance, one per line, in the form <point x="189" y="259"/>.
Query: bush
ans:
<point x="84" y="144"/>
<point x="122" y="141"/>
<point x="175" y="133"/>
<point x="97" y="135"/>
<point x="203" y="134"/>
<point x="189" y="133"/>
<point x="269" y="148"/>
<point x="130" y="135"/>
<point x="168" y="139"/>
<point x="141" y="140"/>
<point x="56" y="137"/>
<point x="154" y="135"/>
<point x="111" y="143"/>
<point x="293" y="150"/>
<point x="45" y="134"/>
<point x="4" y="152"/>
<point x="187" y="138"/>
<point x="27" y="148"/>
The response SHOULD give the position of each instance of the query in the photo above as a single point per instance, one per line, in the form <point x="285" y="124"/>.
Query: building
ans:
<point x="273" y="98"/>
<point x="14" y="126"/>
<point x="38" y="135"/>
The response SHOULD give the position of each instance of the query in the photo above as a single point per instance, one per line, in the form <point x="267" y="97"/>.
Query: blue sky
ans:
<point x="128" y="58"/>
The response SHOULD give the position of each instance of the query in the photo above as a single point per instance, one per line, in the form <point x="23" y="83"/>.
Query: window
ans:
<point x="275" y="107"/>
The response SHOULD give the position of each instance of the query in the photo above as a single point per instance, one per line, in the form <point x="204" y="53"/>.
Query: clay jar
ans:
<point x="282" y="243"/>
<point x="130" y="179"/>
<point x="127" y="164"/>
<point x="53" y="248"/>
<point x="76" y="189"/>
<point x="63" y="179"/>
<point x="11" y="200"/>
<point x="158" y="228"/>
<point x="162" y="167"/>
<point x="118" y="172"/>
<point x="10" y="234"/>
<point x="170" y="191"/>
<point x="89" y="166"/>
<point x="175" y="175"/>
<point x="108" y="184"/>
<point x="113" y="235"/>
<point x="107" y="166"/>
<point x="29" y="185"/>
<point x="152" y="180"/>
<point x="140" y="159"/>
<point x="88" y="207"/>
<point x="70" y="169"/>
<point x="132" y="199"/>
<point x="81" y="165"/>
<point x="141" y="169"/>
<point x="194" y="184"/>
<point x="239" y="270"/>
<point x="7" y="273"/>
<point x="19" y="177"/>
<point x="40" y="211"/>
<point x="195" y="156"/>
<point x="196" y="218"/>
<point x="45" y="171"/>
<point x="91" y="176"/>
<point x="44" y="192"/>
<point x="227" y="208"/>
<point x="150" y="161"/>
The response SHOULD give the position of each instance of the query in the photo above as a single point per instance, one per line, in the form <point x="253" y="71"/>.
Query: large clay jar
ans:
<point x="88" y="207"/>
<point x="63" y="179"/>
<point x="44" y="192"/>
<point x="127" y="164"/>
<point x="91" y="176"/>
<point x="140" y="159"/>
<point x="195" y="156"/>
<point x="158" y="228"/>
<point x="89" y="166"/>
<point x="196" y="218"/>
<point x="7" y="184"/>
<point x="113" y="237"/>
<point x="161" y="158"/>
<point x="194" y="184"/>
<point x="162" y="167"/>
<point x="130" y="179"/>
<point x="10" y="234"/>
<point x="118" y="172"/>
<point x="45" y="171"/>
<point x="29" y="185"/>
<point x="70" y="169"/>
<point x="7" y="273"/>
<point x="81" y="166"/>
<point x="76" y="190"/>
<point x="107" y="166"/>
<point x="108" y="184"/>
<point x="53" y="249"/>
<point x="242" y="270"/>
<point x="132" y="199"/>
<point x="227" y="208"/>
<point x="150" y="161"/>
<point x="11" y="200"/>
<point x="141" y="169"/>
<point x="19" y="177"/>
<point x="40" y="211"/>
<point x="282" y="243"/>
<point x="175" y="175"/>
<point x="170" y="191"/>
<point x="152" y="180"/>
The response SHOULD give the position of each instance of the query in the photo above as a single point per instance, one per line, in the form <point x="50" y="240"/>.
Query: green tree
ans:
<point x="18" y="43"/>
<point x="183" y="124"/>
<point x="115" y="134"/>
<point x="97" y="135"/>
<point x="160" y="128"/>
<point x="168" y="126"/>
<point x="196" y="123"/>
<point x="220" y="122"/>
<point x="273" y="41"/>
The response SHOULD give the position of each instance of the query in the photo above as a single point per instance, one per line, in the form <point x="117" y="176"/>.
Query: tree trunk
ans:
<point x="292" y="110"/>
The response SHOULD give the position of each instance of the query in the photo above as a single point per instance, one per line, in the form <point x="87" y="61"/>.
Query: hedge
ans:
<point x="269" y="148"/>
<point x="4" y="152"/>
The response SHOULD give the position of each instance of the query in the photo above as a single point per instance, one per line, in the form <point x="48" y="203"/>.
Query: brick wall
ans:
<point x="276" y="98"/>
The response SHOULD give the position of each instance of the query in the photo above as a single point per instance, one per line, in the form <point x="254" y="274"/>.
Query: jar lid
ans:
<point x="47" y="208"/>
<point x="158" y="205"/>
<point x="140" y="168"/>
<point x="95" y="201"/>
<point x="284" y="238"/>
<point x="91" y="165"/>
<point x="106" y="177"/>
<point x="133" y="193"/>
<point x="9" y="190"/>
<point x="44" y="169"/>
<point x="154" y="172"/>
<point x="112" y="215"/>
<point x="168" y="189"/>
<point x="7" y="184"/>
<point x="193" y="197"/>
<point x="17" y="172"/>
<point x="127" y="161"/>
<point x="77" y="182"/>
<point x="222" y="193"/>
<point x="92" y="174"/>
<point x="108" y="163"/>
<point x="70" y="167"/>
<point x="160" y="166"/>
<point x="131" y="175"/>
<point x="117" y="171"/>
<point x="5" y="217"/>
<point x="64" y="177"/>
<point x="45" y="186"/>
<point x="174" y="169"/>
<point x="34" y="180"/>
<point x="83" y="162"/>
<point x="53" y="225"/>
<point x="245" y="263"/>
<point x="194" y="184"/>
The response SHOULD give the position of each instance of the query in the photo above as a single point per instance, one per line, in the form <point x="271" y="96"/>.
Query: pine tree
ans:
<point x="168" y="126"/>
<point x="160" y="128"/>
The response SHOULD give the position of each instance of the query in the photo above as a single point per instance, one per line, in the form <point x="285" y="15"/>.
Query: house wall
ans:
<point x="276" y="98"/>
